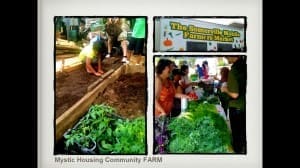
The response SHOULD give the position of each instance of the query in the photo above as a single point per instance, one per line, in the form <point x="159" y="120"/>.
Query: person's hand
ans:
<point x="162" y="114"/>
<point x="161" y="111"/>
<point x="224" y="89"/>
<point x="97" y="74"/>
<point x="190" y="98"/>
<point x="101" y="71"/>
<point x="185" y="96"/>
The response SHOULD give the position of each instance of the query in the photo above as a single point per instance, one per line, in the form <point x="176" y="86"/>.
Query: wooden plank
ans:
<point x="62" y="52"/>
<point x="59" y="40"/>
<point x="58" y="52"/>
<point x="102" y="77"/>
<point x="69" y="118"/>
<point x="130" y="69"/>
<point x="64" y="56"/>
<point x="68" y="50"/>
<point x="73" y="67"/>
<point x="63" y="47"/>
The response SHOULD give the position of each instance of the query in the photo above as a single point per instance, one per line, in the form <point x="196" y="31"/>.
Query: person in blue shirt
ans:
<point x="199" y="71"/>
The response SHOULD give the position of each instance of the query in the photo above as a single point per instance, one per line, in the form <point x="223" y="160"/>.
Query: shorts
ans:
<point x="122" y="36"/>
<point x="136" y="44"/>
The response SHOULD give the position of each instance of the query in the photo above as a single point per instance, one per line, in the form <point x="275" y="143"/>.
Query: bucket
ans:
<point x="73" y="35"/>
<point x="184" y="104"/>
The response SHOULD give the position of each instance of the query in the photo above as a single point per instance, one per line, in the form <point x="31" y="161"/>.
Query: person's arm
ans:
<point x="215" y="77"/>
<point x="109" y="44"/>
<point x="183" y="83"/>
<point x="186" y="85"/>
<point x="158" y="86"/>
<point x="89" y="67"/>
<point x="224" y="89"/>
<point x="179" y="89"/>
<point x="99" y="64"/>
<point x="180" y="95"/>
<point x="232" y="88"/>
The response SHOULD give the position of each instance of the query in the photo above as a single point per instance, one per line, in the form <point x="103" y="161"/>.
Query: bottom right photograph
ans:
<point x="200" y="104"/>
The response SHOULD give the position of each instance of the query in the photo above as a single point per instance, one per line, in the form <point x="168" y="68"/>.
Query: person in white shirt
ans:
<point x="185" y="82"/>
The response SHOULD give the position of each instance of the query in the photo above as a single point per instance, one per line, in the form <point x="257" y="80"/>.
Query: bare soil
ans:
<point x="127" y="95"/>
<point x="71" y="86"/>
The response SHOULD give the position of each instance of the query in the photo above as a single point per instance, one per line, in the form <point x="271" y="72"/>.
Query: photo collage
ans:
<point x="102" y="85"/>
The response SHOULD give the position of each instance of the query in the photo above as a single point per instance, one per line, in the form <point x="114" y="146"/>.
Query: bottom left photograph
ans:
<point x="114" y="122"/>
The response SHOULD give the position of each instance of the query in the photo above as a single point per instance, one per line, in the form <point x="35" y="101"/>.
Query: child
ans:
<point x="91" y="54"/>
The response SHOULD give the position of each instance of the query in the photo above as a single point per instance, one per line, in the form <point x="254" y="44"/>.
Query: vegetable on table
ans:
<point x="200" y="130"/>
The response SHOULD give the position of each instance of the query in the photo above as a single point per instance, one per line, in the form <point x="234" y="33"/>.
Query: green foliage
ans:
<point x="94" y="126"/>
<point x="221" y="62"/>
<point x="200" y="130"/>
<point x="206" y="98"/>
<point x="130" y="136"/>
<point x="193" y="77"/>
<point x="111" y="134"/>
<point x="213" y="100"/>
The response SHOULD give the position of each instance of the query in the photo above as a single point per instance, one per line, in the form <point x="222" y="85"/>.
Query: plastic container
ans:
<point x="199" y="92"/>
<point x="73" y="35"/>
<point x="184" y="104"/>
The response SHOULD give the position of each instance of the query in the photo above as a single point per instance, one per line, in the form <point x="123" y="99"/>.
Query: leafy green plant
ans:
<point x="94" y="126"/>
<point x="130" y="136"/>
<point x="200" y="130"/>
<point x="213" y="100"/>
<point x="193" y="77"/>
<point x="110" y="133"/>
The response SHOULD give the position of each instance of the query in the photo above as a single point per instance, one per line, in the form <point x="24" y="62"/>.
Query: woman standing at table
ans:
<point x="164" y="97"/>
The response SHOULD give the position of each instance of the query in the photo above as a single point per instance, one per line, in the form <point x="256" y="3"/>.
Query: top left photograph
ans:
<point x="100" y="85"/>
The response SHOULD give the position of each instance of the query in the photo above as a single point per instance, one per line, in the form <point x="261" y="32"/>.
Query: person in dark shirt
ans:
<point x="236" y="90"/>
<point x="176" y="109"/>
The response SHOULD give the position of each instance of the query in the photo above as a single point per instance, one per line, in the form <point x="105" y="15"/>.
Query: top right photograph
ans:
<point x="200" y="34"/>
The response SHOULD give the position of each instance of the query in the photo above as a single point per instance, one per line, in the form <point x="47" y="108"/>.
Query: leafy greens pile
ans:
<point x="200" y="130"/>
